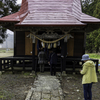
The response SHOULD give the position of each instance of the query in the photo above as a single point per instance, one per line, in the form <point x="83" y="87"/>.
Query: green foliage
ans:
<point x="93" y="41"/>
<point x="87" y="6"/>
<point x="99" y="72"/>
<point x="94" y="55"/>
<point x="92" y="7"/>
<point x="7" y="7"/>
<point x="96" y="12"/>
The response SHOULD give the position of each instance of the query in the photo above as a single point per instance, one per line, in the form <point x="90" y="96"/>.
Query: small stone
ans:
<point x="45" y="96"/>
<point x="78" y="98"/>
<point x="67" y="80"/>
<point x="60" y="92"/>
<point x="61" y="98"/>
<point x="72" y="92"/>
<point x="55" y="93"/>
<point x="78" y="90"/>
<point x="66" y="92"/>
<point x="29" y="95"/>
<point x="55" y="98"/>
<point x="46" y="91"/>
<point x="36" y="96"/>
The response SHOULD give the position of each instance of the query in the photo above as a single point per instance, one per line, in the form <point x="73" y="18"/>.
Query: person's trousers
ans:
<point x="87" y="91"/>
<point x="53" y="69"/>
<point x="41" y="67"/>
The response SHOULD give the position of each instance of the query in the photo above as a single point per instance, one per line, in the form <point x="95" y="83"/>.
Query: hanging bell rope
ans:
<point x="54" y="41"/>
<point x="43" y="45"/>
<point x="49" y="46"/>
<point x="55" y="45"/>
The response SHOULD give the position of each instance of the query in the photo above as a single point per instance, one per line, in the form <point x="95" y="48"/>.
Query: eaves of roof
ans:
<point x="50" y="13"/>
<point x="88" y="19"/>
<point x="11" y="18"/>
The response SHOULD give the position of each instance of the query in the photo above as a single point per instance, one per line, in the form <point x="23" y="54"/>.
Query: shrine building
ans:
<point x="58" y="24"/>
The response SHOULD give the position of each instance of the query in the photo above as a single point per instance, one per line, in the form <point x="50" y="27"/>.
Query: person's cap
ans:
<point x="85" y="57"/>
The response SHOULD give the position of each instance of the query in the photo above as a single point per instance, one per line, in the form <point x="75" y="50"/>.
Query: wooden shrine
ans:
<point x="57" y="24"/>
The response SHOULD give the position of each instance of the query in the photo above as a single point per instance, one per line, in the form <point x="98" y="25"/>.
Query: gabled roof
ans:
<point x="50" y="12"/>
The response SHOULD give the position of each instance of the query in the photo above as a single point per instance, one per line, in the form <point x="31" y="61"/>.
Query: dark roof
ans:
<point x="50" y="12"/>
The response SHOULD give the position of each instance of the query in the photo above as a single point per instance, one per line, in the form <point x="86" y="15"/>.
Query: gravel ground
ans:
<point x="15" y="86"/>
<point x="73" y="89"/>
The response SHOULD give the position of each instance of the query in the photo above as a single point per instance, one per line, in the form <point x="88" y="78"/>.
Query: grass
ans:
<point x="26" y="73"/>
<point x="94" y="55"/>
<point x="5" y="50"/>
<point x="6" y="53"/>
<point x="5" y="95"/>
<point x="99" y="70"/>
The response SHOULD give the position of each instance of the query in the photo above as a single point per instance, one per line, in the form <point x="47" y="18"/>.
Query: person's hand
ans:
<point x="49" y="63"/>
<point x="80" y="70"/>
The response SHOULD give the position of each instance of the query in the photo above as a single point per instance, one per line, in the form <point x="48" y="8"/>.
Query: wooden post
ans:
<point x="12" y="65"/>
<point x="33" y="55"/>
<point x="24" y="65"/>
<point x="97" y="65"/>
<point x="0" y="66"/>
<point x="63" y="55"/>
<point x="14" y="43"/>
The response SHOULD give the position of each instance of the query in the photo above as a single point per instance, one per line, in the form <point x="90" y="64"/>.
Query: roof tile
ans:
<point x="50" y="12"/>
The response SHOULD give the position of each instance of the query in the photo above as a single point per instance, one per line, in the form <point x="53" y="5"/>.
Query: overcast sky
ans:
<point x="19" y="1"/>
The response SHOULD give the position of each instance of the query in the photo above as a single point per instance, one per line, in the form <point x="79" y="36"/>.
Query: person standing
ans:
<point x="89" y="76"/>
<point x="42" y="60"/>
<point x="39" y="46"/>
<point x="53" y="62"/>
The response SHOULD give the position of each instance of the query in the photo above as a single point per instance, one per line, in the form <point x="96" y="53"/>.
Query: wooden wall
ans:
<point x="20" y="43"/>
<point x="28" y="45"/>
<point x="75" y="46"/>
<point x="70" y="46"/>
<point x="79" y="48"/>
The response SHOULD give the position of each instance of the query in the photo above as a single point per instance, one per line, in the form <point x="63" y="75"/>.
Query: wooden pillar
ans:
<point x="14" y="43"/>
<point x="0" y="66"/>
<point x="84" y="43"/>
<point x="63" y="55"/>
<point x="33" y="55"/>
<point x="12" y="65"/>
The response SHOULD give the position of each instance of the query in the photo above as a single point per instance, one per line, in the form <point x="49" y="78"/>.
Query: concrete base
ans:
<point x="64" y="73"/>
<point x="0" y="72"/>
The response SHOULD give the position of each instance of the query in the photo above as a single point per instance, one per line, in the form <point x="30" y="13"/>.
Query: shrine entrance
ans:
<point x="53" y="38"/>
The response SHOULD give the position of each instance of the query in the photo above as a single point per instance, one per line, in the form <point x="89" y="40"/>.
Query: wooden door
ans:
<point x="70" y="46"/>
<point x="28" y="44"/>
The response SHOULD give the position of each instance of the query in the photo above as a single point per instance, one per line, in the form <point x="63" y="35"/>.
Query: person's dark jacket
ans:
<point x="53" y="58"/>
<point x="42" y="58"/>
<point x="39" y="45"/>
